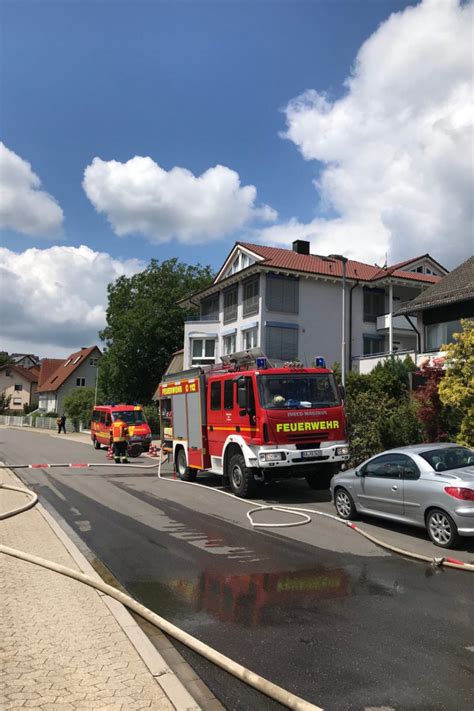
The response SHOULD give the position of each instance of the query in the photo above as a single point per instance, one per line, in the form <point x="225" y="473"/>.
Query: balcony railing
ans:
<point x="399" y="323"/>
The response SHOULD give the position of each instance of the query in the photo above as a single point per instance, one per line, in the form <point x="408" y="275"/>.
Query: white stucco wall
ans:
<point x="85" y="370"/>
<point x="26" y="395"/>
<point x="54" y="401"/>
<point x="318" y="320"/>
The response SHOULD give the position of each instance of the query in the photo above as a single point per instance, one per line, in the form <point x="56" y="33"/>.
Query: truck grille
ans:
<point x="310" y="437"/>
<point x="307" y="445"/>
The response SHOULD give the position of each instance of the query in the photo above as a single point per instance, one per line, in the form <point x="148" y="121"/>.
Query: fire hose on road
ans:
<point x="282" y="696"/>
<point x="246" y="675"/>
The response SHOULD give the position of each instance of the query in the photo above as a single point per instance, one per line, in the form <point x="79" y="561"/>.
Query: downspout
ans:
<point x="350" y="323"/>
<point x="418" y="334"/>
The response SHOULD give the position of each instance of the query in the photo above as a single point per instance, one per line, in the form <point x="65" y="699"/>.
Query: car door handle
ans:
<point x="394" y="487"/>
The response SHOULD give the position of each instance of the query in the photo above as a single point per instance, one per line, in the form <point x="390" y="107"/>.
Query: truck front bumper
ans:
<point x="282" y="457"/>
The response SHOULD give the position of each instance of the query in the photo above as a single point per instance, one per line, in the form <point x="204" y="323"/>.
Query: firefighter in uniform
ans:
<point x="120" y="441"/>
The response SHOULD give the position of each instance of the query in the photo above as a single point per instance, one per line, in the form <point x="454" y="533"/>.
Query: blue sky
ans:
<point x="199" y="84"/>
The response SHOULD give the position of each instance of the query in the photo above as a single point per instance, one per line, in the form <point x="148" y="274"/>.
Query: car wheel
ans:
<point x="344" y="504"/>
<point x="441" y="529"/>
<point x="96" y="444"/>
<point x="241" y="477"/>
<point x="134" y="450"/>
<point x="182" y="469"/>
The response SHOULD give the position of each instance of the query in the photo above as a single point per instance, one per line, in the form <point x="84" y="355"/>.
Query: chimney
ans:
<point x="301" y="246"/>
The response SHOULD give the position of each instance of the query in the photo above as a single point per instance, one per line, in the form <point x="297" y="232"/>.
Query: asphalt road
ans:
<point x="316" y="609"/>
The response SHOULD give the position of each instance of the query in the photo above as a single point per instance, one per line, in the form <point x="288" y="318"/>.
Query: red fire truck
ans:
<point x="250" y="422"/>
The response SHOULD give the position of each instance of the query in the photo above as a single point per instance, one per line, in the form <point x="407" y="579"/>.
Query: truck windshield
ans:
<point x="130" y="417"/>
<point x="293" y="392"/>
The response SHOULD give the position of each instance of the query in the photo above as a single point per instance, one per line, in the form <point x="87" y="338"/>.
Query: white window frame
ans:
<point x="203" y="358"/>
<point x="229" y="343"/>
<point x="253" y="334"/>
<point x="80" y="382"/>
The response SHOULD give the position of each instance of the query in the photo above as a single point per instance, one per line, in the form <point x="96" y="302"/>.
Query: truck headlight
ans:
<point x="342" y="451"/>
<point x="272" y="456"/>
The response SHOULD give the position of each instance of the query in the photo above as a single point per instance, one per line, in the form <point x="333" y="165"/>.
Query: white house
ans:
<point x="59" y="378"/>
<point x="289" y="303"/>
<point x="20" y="385"/>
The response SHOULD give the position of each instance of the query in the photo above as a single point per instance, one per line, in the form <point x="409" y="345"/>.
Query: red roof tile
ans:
<point x="65" y="369"/>
<point x="314" y="264"/>
<point x="47" y="368"/>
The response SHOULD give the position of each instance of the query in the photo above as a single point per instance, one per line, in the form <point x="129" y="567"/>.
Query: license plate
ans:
<point x="311" y="453"/>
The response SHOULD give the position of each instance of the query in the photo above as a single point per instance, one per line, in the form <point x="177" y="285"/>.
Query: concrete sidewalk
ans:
<point x="63" y="645"/>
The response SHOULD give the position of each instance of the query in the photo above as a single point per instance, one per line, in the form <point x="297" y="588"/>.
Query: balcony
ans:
<point x="399" y="323"/>
<point x="365" y="364"/>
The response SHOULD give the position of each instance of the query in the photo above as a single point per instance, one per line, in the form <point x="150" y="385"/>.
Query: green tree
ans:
<point x="457" y="386"/>
<point x="78" y="406"/>
<point x="4" y="402"/>
<point x="145" y="325"/>
<point x="5" y="359"/>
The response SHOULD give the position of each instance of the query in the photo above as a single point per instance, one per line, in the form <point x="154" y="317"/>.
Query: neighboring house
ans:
<point x="59" y="378"/>
<point x="26" y="360"/>
<point x="289" y="304"/>
<point x="20" y="385"/>
<point x="439" y="309"/>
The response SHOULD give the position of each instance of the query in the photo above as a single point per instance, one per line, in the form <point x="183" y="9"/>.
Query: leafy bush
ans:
<point x="153" y="419"/>
<point x="380" y="412"/>
<point x="457" y="387"/>
<point x="43" y="414"/>
<point x="78" y="406"/>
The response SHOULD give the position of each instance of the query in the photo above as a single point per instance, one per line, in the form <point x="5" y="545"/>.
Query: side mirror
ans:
<point x="360" y="472"/>
<point x="342" y="392"/>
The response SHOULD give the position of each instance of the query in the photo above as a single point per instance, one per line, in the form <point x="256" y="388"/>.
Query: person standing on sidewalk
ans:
<point x="120" y="441"/>
<point x="62" y="425"/>
<point x="58" y="423"/>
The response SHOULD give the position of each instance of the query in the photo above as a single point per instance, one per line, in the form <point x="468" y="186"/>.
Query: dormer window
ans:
<point x="67" y="362"/>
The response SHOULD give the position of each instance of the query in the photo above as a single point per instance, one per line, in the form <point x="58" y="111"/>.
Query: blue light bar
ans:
<point x="320" y="362"/>
<point x="262" y="363"/>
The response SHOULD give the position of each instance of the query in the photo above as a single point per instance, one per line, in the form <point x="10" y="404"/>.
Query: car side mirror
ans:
<point x="342" y="392"/>
<point x="360" y="472"/>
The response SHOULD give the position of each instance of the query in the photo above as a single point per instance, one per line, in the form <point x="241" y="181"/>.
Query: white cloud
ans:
<point x="23" y="206"/>
<point x="54" y="300"/>
<point x="396" y="149"/>
<point x="141" y="197"/>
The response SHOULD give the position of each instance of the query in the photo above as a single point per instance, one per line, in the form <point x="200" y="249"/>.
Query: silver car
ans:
<point x="426" y="485"/>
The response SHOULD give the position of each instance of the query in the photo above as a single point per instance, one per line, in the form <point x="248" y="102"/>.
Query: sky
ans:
<point x="147" y="129"/>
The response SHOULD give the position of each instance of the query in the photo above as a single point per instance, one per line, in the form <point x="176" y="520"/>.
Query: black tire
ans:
<point x="320" y="479"/>
<point x="241" y="477"/>
<point x="96" y="444"/>
<point x="134" y="450"/>
<point x="183" y="471"/>
<point x="441" y="529"/>
<point x="344" y="504"/>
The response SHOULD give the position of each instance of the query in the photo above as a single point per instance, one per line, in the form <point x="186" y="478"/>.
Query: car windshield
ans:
<point x="293" y="392"/>
<point x="447" y="458"/>
<point x="131" y="417"/>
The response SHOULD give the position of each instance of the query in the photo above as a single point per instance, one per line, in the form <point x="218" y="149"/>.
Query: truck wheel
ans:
<point x="96" y="444"/>
<point x="182" y="469"/>
<point x="321" y="477"/>
<point x="241" y="477"/>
